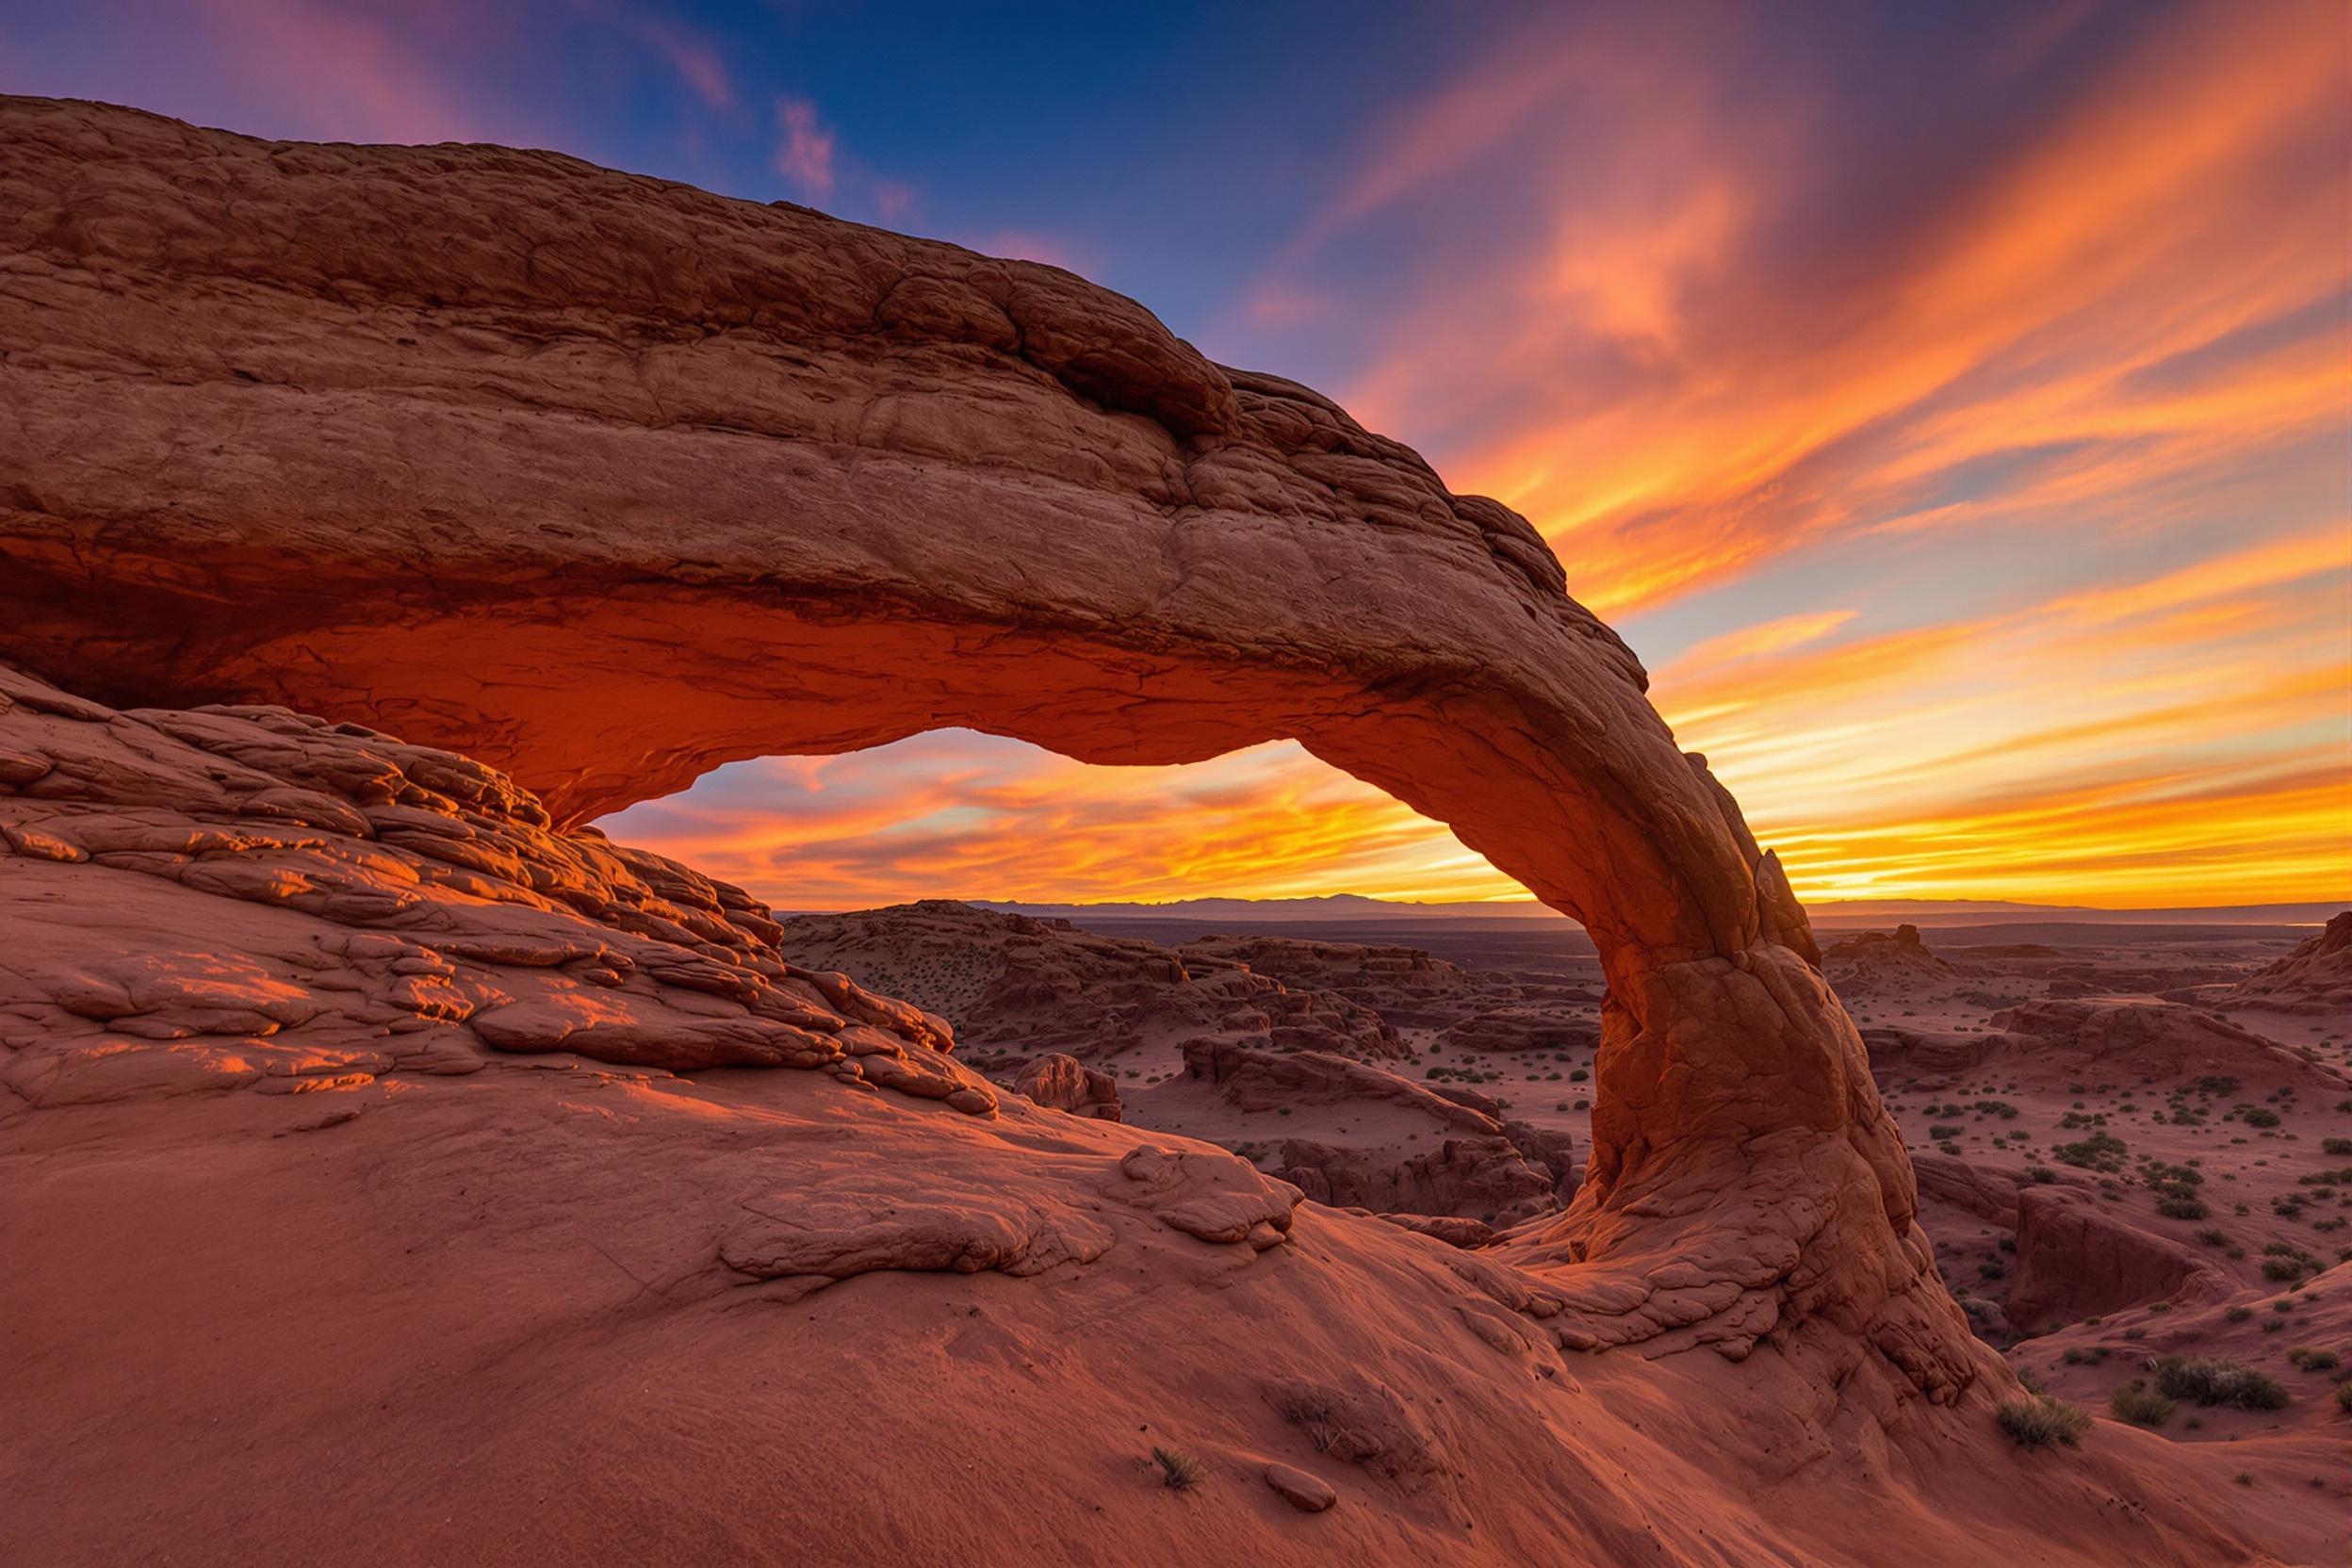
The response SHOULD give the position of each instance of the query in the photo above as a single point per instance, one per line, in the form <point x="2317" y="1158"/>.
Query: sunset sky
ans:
<point x="1951" y="405"/>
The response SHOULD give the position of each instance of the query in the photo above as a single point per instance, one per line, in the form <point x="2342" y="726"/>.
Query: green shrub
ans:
<point x="2182" y="1208"/>
<point x="2040" y="1420"/>
<point x="2140" y="1405"/>
<point x="2210" y="1380"/>
<point x="2335" y="1146"/>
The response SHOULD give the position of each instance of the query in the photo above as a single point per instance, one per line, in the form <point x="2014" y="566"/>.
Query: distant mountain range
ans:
<point x="1336" y="907"/>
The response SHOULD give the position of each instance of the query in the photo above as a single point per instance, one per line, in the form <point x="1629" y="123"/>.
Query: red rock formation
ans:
<point x="2074" y="1259"/>
<point x="272" y="1187"/>
<point x="298" y="906"/>
<point x="1475" y="1163"/>
<point x="1874" y="960"/>
<point x="1015" y="987"/>
<point x="2161" y="1040"/>
<point x="1470" y="1009"/>
<point x="606" y="481"/>
<point x="2316" y="977"/>
<point x="1408" y="988"/>
<point x="1067" y="1083"/>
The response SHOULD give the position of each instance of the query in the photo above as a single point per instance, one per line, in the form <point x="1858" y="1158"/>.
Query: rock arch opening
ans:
<point x="606" y="481"/>
<point x="988" y="819"/>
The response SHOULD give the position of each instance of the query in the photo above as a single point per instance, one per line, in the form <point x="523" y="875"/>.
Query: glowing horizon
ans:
<point x="1954" y="411"/>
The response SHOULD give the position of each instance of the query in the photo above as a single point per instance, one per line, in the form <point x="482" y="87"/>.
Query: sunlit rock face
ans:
<point x="226" y="898"/>
<point x="604" y="481"/>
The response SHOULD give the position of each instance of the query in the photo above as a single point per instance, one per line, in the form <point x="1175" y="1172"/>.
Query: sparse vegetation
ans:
<point x="2042" y="1420"/>
<point x="2099" y="1152"/>
<point x="2140" y="1405"/>
<point x="2210" y="1381"/>
<point x="1179" y="1470"/>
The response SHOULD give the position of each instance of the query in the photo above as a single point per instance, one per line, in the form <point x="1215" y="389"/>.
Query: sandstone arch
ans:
<point x="606" y="481"/>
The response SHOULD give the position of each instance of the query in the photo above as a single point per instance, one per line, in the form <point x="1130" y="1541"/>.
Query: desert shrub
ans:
<point x="2344" y="1397"/>
<point x="2335" y="1146"/>
<point x="2282" y="1268"/>
<point x="2099" y="1152"/>
<point x="2213" y="1238"/>
<point x="2311" y="1359"/>
<point x="1179" y="1470"/>
<point x="2256" y="1116"/>
<point x="2210" y="1380"/>
<point x="2041" y="1420"/>
<point x="2140" y="1405"/>
<point x="2182" y="1208"/>
<point x="2237" y="1315"/>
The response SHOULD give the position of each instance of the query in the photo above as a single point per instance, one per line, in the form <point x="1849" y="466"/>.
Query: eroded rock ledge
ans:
<point x="295" y="905"/>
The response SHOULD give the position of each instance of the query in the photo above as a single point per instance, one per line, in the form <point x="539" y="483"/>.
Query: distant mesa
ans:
<point x="1877" y="960"/>
<point x="2316" y="977"/>
<point x="1015" y="987"/>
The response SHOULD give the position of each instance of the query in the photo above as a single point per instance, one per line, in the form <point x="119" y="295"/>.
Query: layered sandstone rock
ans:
<point x="1015" y="987"/>
<point x="2073" y="1259"/>
<point x="1875" y="961"/>
<point x="1355" y="1135"/>
<point x="231" y="897"/>
<point x="2159" y="1040"/>
<point x="1067" y="1083"/>
<point x="606" y="480"/>
<point x="2076" y="1260"/>
<point x="1463" y="1010"/>
<point x="2316" y="977"/>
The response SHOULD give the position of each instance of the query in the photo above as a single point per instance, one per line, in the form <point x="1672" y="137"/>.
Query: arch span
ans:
<point x="608" y="481"/>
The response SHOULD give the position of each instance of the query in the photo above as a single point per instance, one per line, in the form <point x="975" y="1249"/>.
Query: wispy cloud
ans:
<point x="341" y="72"/>
<point x="804" y="148"/>
<point x="1714" y="326"/>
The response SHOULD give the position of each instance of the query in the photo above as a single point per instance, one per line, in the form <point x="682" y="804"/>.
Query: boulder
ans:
<point x="1067" y="1083"/>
